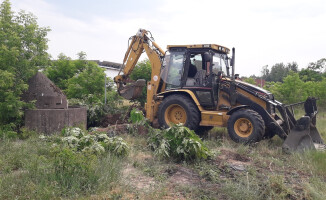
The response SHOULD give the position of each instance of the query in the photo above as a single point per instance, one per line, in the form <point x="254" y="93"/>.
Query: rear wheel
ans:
<point x="176" y="109"/>
<point x="246" y="126"/>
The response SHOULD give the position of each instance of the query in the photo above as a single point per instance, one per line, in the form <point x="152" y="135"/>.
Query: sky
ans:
<point x="263" y="32"/>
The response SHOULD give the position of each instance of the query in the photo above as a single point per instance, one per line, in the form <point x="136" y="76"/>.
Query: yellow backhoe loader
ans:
<point x="192" y="84"/>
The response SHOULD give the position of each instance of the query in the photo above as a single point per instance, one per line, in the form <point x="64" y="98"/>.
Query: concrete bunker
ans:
<point x="52" y="112"/>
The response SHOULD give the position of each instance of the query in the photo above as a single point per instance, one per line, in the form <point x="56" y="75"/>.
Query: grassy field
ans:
<point x="34" y="169"/>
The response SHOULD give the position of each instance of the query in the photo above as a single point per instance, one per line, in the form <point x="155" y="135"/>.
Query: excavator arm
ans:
<point x="139" y="43"/>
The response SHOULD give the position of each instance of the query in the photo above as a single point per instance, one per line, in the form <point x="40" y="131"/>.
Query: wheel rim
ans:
<point x="175" y="114"/>
<point x="243" y="127"/>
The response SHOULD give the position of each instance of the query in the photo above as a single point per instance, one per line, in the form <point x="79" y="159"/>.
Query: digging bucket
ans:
<point x="132" y="91"/>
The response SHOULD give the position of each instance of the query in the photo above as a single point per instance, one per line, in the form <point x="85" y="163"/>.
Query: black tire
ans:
<point x="191" y="111"/>
<point x="246" y="126"/>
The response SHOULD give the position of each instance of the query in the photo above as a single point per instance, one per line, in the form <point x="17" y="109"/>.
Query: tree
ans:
<point x="65" y="68"/>
<point x="265" y="72"/>
<point x="61" y="70"/>
<point x="142" y="70"/>
<point x="291" y="90"/>
<point x="319" y="65"/>
<point x="79" y="79"/>
<point x="314" y="70"/>
<point x="292" y="67"/>
<point x="310" y="75"/>
<point x="250" y="80"/>
<point x="23" y="46"/>
<point x="89" y="84"/>
<point x="278" y="71"/>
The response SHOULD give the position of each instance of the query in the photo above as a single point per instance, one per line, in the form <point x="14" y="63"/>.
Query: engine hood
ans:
<point x="254" y="89"/>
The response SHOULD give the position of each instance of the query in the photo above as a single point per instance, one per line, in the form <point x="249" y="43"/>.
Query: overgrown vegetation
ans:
<point x="52" y="167"/>
<point x="23" y="46"/>
<point x="71" y="166"/>
<point x="95" y="143"/>
<point x="291" y="85"/>
<point x="179" y="143"/>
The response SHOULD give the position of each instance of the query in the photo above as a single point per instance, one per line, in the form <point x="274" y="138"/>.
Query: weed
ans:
<point x="26" y="133"/>
<point x="276" y="189"/>
<point x="178" y="142"/>
<point x="33" y="169"/>
<point x="315" y="189"/>
<point x="136" y="116"/>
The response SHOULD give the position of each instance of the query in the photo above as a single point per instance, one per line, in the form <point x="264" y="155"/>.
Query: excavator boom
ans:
<point x="139" y="43"/>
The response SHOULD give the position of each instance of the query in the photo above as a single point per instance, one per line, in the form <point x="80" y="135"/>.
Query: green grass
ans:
<point x="34" y="169"/>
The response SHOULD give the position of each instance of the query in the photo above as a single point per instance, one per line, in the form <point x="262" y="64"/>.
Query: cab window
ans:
<point x="173" y="69"/>
<point x="220" y="64"/>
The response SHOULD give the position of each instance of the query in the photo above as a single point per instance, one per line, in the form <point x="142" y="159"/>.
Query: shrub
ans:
<point x="96" y="143"/>
<point x="97" y="111"/>
<point x="178" y="142"/>
<point x="42" y="169"/>
<point x="136" y="116"/>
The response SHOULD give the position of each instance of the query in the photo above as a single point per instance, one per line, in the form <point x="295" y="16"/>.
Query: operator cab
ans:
<point x="197" y="68"/>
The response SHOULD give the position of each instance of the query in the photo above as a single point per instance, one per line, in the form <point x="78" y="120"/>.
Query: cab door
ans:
<point x="200" y="79"/>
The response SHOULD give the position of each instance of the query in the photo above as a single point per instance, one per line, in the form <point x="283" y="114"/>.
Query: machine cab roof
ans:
<point x="215" y="47"/>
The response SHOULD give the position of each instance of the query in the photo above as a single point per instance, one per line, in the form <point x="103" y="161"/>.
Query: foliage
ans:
<point x="142" y="70"/>
<point x="96" y="143"/>
<point x="88" y="82"/>
<point x="278" y="71"/>
<point x="319" y="65"/>
<point x="83" y="82"/>
<point x="250" y="80"/>
<point x="37" y="169"/>
<point x="97" y="111"/>
<point x="79" y="79"/>
<point x="10" y="103"/>
<point x="291" y="90"/>
<point x="310" y="75"/>
<point x="62" y="70"/>
<point x="136" y="116"/>
<point x="178" y="142"/>
<point x="6" y="134"/>
<point x="23" y="46"/>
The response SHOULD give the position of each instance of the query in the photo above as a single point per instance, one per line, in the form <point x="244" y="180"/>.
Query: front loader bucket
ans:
<point x="132" y="91"/>
<point x="304" y="135"/>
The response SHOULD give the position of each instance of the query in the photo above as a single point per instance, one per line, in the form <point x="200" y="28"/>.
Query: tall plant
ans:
<point x="23" y="46"/>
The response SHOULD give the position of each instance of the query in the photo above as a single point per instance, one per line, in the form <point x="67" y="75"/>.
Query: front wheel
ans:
<point x="176" y="109"/>
<point x="246" y="126"/>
